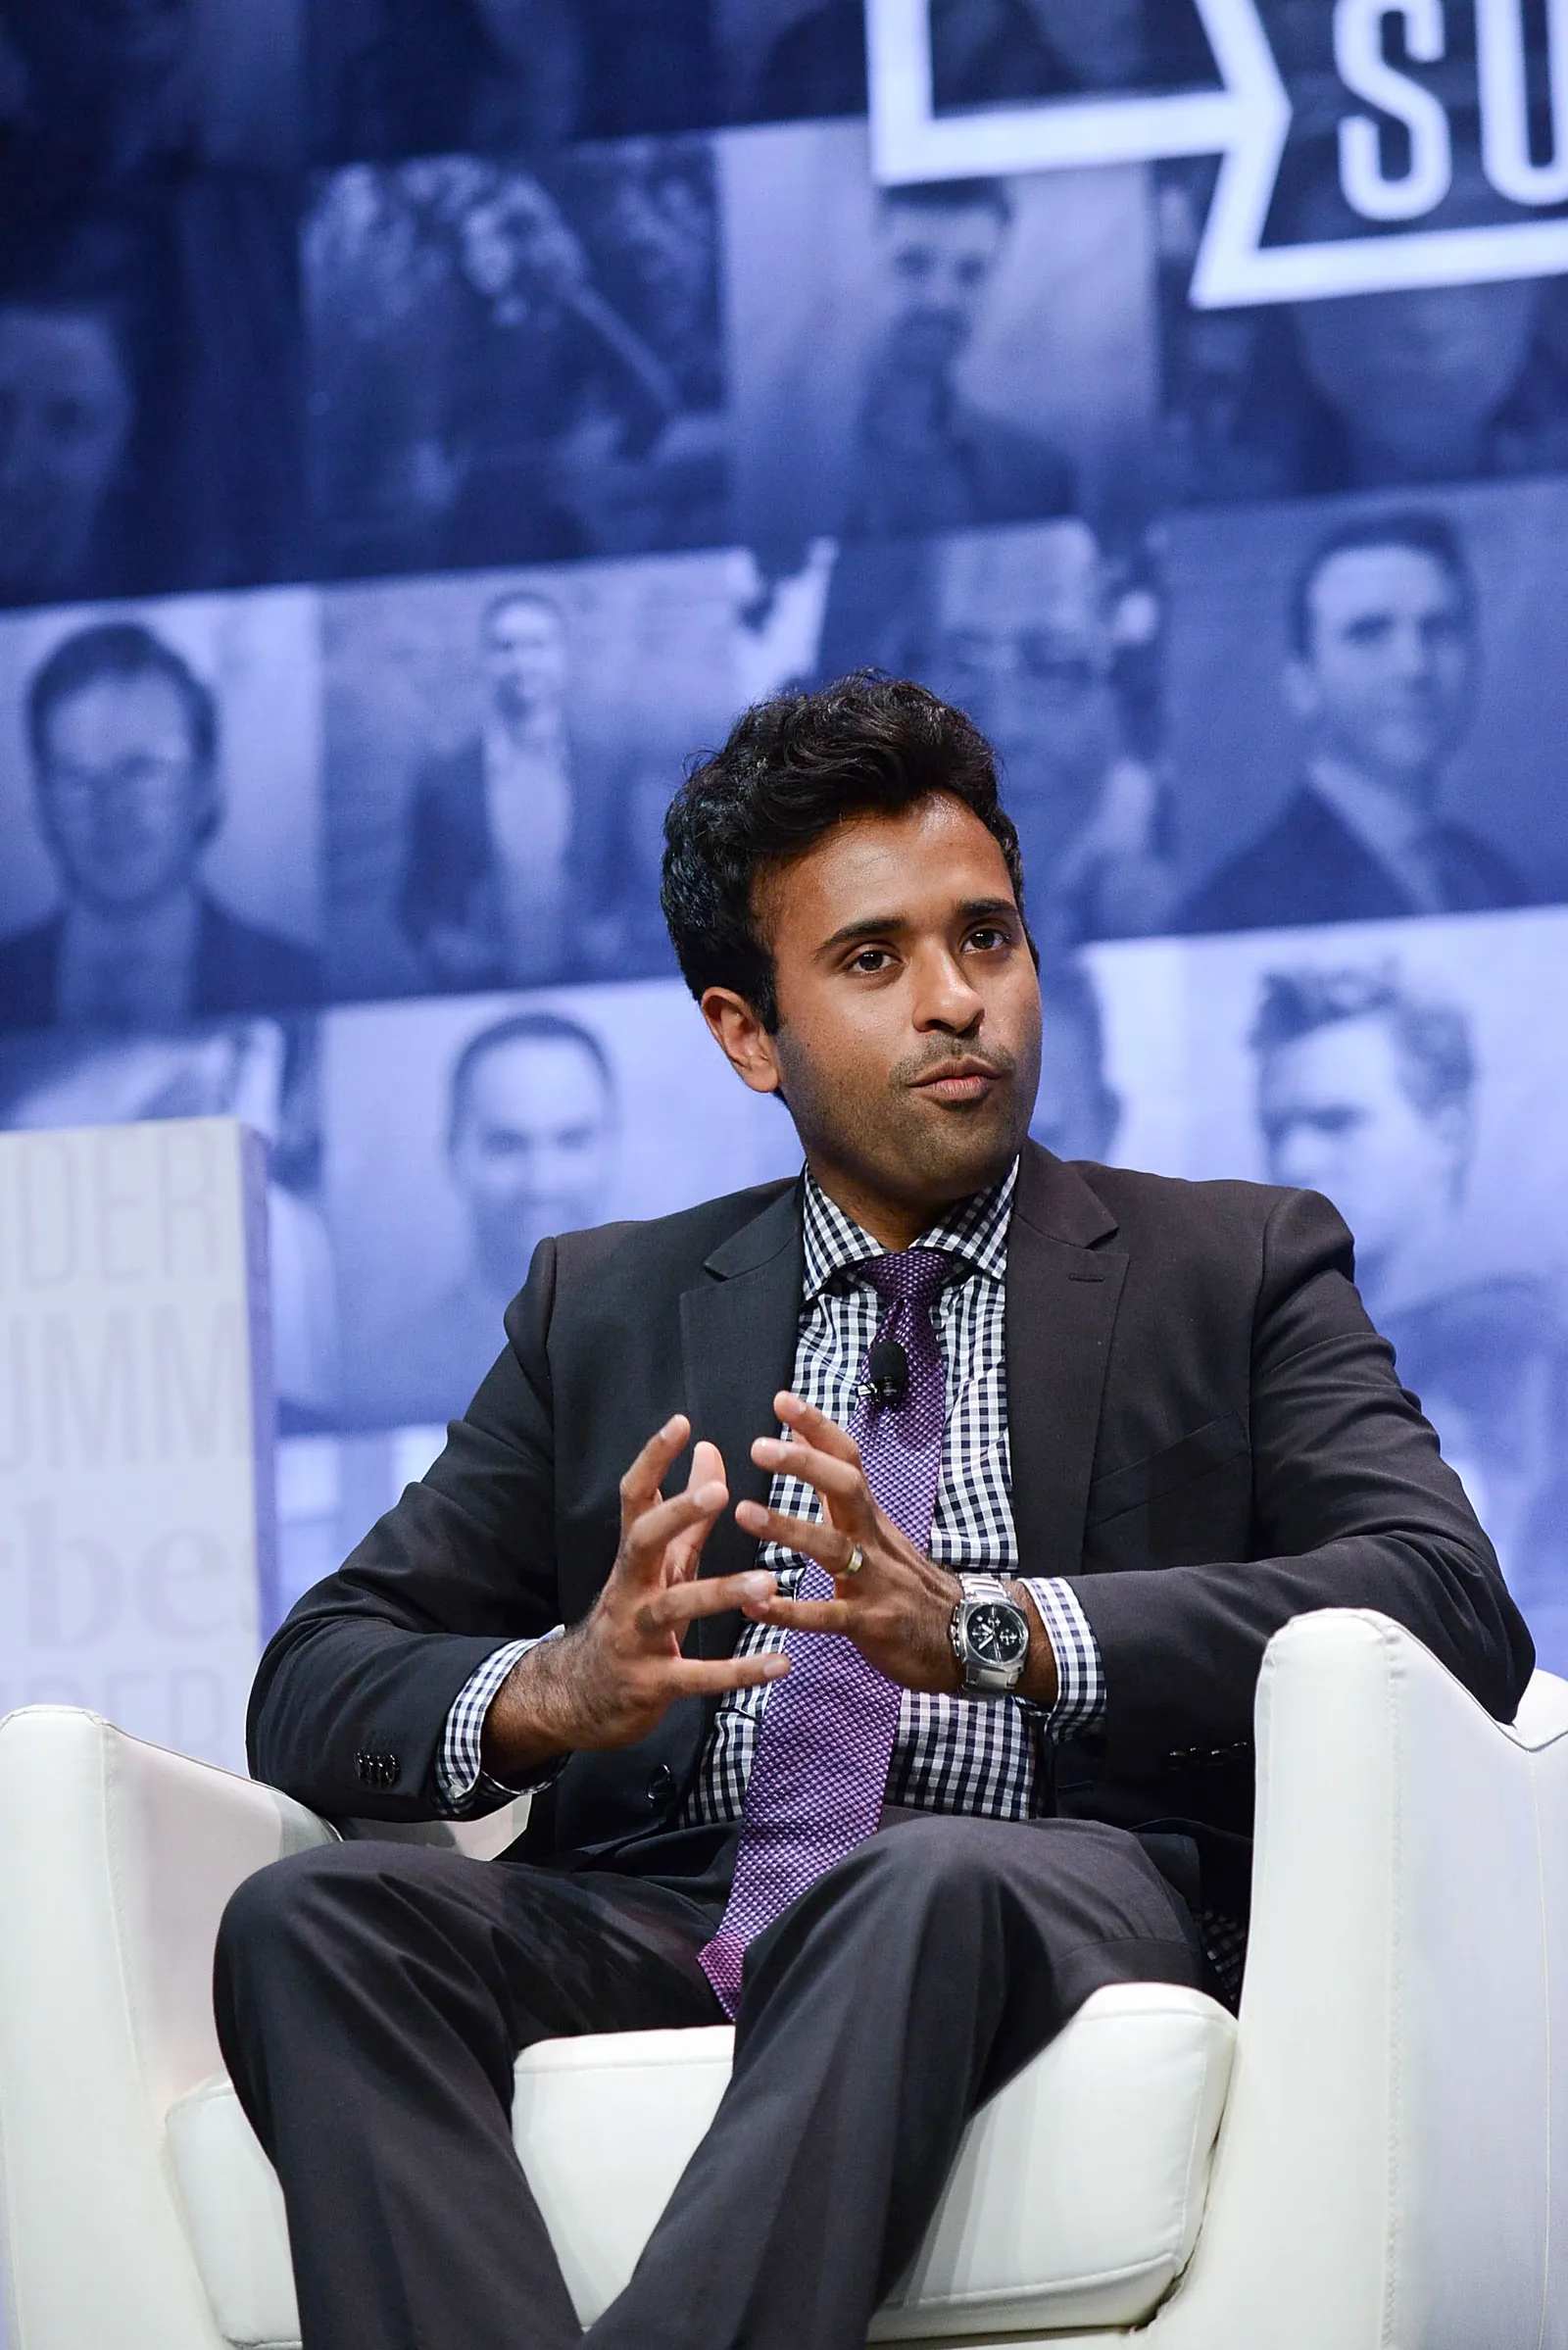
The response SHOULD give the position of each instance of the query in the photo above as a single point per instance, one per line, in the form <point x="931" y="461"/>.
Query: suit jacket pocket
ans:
<point x="1161" y="1473"/>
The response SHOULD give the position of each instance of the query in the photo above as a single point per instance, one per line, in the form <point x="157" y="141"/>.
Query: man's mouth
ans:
<point x="960" y="1081"/>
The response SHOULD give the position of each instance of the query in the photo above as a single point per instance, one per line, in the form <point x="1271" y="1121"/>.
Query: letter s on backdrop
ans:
<point x="1367" y="74"/>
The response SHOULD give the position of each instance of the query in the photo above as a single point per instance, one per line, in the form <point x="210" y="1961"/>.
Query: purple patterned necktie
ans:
<point x="820" y="1769"/>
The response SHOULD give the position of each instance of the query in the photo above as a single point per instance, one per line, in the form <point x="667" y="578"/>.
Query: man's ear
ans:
<point x="742" y="1039"/>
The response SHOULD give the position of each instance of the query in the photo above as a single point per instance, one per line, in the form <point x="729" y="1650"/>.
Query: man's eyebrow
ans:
<point x="869" y="926"/>
<point x="882" y="926"/>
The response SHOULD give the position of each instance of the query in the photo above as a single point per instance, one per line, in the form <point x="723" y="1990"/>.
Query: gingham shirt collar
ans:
<point x="975" y="1229"/>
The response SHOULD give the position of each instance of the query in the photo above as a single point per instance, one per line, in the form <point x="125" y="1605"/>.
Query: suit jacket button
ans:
<point x="661" y="1784"/>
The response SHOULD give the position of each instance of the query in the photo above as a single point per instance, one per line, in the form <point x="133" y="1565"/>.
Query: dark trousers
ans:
<point x="372" y="2000"/>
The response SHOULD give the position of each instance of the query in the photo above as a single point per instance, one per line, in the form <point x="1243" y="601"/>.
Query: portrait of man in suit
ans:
<point x="1367" y="1092"/>
<point x="1049" y="1450"/>
<point x="1380" y="680"/>
<point x="531" y="1138"/>
<point x="490" y="828"/>
<point x="1022" y="635"/>
<point x="928" y="457"/>
<point x="123" y="738"/>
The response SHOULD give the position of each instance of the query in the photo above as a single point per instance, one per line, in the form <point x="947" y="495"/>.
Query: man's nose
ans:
<point x="1412" y="655"/>
<point x="943" y="995"/>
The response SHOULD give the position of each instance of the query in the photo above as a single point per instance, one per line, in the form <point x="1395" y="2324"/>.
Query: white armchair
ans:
<point x="1362" y="2164"/>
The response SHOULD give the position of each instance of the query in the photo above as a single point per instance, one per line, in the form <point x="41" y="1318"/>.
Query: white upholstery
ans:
<point x="1381" y="2179"/>
<point x="1076" y="2198"/>
<point x="1077" y="2194"/>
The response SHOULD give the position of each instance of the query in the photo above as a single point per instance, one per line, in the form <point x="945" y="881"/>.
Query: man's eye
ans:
<point x="989" y="935"/>
<point x="870" y="958"/>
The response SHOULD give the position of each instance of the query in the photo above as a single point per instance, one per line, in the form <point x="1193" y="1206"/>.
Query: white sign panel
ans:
<point x="135" y="1426"/>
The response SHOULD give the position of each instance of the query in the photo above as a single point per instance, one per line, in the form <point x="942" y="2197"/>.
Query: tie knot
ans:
<point x="911" y="1276"/>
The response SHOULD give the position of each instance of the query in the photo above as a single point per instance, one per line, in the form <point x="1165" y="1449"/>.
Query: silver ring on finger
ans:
<point x="854" y="1562"/>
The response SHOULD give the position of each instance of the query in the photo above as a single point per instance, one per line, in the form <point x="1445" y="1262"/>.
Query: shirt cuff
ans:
<point x="464" y="1790"/>
<point x="1080" y="1669"/>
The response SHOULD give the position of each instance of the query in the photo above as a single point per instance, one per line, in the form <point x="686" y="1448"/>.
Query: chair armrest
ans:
<point x="117" y="1860"/>
<point x="1382" y="2173"/>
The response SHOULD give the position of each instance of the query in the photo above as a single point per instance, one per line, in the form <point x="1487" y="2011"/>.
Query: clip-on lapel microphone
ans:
<point x="888" y="1373"/>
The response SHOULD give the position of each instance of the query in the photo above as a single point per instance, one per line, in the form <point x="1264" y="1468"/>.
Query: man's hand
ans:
<point x="609" y="1681"/>
<point x="897" y="1606"/>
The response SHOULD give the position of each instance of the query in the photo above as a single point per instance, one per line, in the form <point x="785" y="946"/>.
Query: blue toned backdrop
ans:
<point x="423" y="423"/>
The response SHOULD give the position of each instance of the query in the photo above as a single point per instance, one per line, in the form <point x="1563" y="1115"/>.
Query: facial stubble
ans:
<point x="904" y="1141"/>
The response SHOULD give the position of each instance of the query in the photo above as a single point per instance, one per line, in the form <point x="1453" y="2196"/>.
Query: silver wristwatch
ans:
<point x="990" y="1634"/>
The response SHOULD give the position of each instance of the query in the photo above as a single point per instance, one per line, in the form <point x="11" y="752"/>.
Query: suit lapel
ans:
<point x="1063" y="1289"/>
<point x="1324" y="845"/>
<point x="739" y="1327"/>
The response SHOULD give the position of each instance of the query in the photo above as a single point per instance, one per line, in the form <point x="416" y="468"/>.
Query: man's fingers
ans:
<point x="682" y="1557"/>
<point x="812" y="1537"/>
<point x="707" y="1463"/>
<point x="690" y="1677"/>
<point x="639" y="1488"/>
<point x="802" y="1615"/>
<point x="681" y="1603"/>
<point x="815" y="1427"/>
<point x="646" y="1540"/>
<point x="842" y="1485"/>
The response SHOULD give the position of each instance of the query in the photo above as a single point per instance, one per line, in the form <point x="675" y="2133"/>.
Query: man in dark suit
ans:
<point x="1381" y="677"/>
<point x="928" y="457"/>
<point x="124" y="737"/>
<point x="531" y="1140"/>
<point x="1117" y="1431"/>
<point x="493" y="828"/>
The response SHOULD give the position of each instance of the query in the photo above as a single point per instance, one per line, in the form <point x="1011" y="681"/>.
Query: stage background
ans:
<point x="463" y="397"/>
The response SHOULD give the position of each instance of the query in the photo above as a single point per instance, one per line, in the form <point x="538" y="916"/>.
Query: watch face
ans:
<point x="996" y="1634"/>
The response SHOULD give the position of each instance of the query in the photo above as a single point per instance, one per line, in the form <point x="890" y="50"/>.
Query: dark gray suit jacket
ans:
<point x="1309" y="866"/>
<point x="1207" y="1438"/>
<point x="239" y="969"/>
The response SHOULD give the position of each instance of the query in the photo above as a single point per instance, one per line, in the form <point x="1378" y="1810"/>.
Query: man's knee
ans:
<point x="943" y="1857"/>
<point x="281" y="1912"/>
<point x="954" y="1859"/>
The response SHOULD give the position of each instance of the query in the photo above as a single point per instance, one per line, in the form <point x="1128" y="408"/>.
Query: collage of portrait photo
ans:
<point x="425" y="425"/>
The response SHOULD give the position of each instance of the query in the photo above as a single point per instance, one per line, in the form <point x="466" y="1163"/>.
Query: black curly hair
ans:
<point x="792" y="768"/>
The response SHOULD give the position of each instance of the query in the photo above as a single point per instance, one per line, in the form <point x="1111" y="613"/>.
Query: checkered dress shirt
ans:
<point x="951" y="1753"/>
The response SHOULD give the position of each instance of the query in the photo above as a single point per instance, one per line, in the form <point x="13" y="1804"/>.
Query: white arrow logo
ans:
<point x="1246" y="121"/>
